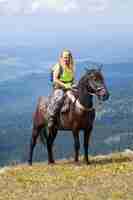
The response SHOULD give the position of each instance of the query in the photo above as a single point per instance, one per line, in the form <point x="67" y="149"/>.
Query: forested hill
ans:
<point x="23" y="79"/>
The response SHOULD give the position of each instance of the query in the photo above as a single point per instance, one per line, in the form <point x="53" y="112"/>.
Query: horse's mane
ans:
<point x="84" y="78"/>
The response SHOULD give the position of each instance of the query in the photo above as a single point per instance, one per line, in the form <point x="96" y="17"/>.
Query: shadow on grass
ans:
<point x="100" y="160"/>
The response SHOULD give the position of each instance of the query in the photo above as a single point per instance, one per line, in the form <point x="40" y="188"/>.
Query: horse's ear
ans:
<point x="100" y="67"/>
<point x="90" y="67"/>
<point x="95" y="67"/>
<point x="87" y="69"/>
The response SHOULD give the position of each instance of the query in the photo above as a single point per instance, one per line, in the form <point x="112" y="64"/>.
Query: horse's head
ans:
<point x="95" y="84"/>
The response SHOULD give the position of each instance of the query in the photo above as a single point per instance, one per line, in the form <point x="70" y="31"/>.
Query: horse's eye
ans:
<point x="94" y="78"/>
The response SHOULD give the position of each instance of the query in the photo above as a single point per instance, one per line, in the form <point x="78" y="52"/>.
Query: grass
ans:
<point x="106" y="178"/>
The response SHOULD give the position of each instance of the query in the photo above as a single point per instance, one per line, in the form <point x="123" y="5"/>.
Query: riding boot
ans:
<point x="52" y="118"/>
<point x="51" y="121"/>
<point x="54" y="107"/>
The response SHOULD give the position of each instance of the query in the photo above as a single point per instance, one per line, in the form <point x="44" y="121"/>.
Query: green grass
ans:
<point x="106" y="178"/>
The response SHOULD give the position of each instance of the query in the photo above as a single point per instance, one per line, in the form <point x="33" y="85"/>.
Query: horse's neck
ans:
<point x="86" y="100"/>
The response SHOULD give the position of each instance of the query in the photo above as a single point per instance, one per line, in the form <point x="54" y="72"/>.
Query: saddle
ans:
<point x="69" y="98"/>
<point x="43" y="102"/>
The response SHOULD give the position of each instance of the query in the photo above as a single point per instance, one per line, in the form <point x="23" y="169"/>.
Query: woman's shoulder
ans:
<point x="56" y="66"/>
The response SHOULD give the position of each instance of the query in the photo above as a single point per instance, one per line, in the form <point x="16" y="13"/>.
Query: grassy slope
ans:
<point x="106" y="178"/>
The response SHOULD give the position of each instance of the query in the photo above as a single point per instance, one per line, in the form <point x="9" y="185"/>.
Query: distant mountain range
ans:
<point x="113" y="129"/>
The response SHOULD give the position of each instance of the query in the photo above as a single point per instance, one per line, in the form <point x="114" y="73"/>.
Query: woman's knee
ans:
<point x="58" y="94"/>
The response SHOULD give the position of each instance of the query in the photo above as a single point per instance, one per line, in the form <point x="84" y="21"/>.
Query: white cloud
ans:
<point x="70" y="6"/>
<point x="15" y="7"/>
<point x="60" y="6"/>
<point x="12" y="7"/>
<point x="97" y="5"/>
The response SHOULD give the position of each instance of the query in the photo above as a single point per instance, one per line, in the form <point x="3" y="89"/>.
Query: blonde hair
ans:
<point x="72" y="64"/>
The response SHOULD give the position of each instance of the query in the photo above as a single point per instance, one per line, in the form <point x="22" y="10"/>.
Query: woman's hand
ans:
<point x="68" y="86"/>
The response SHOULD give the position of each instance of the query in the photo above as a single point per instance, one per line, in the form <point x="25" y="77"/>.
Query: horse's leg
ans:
<point x="87" y="134"/>
<point x="35" y="134"/>
<point x="50" y="141"/>
<point x="76" y="144"/>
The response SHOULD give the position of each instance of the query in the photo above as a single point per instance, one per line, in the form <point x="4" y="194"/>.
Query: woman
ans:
<point x="63" y="77"/>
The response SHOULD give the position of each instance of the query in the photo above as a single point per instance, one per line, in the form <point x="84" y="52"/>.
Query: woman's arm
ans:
<point x="56" y="78"/>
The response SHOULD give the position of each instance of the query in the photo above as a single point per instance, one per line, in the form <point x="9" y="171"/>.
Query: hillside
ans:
<point x="107" y="177"/>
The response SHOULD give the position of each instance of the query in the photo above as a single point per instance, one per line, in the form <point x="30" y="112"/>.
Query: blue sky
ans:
<point x="92" y="24"/>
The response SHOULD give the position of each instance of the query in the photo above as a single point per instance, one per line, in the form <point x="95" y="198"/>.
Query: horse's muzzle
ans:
<point x="103" y="94"/>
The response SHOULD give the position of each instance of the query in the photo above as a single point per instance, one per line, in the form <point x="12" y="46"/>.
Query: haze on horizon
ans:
<point x="104" y="28"/>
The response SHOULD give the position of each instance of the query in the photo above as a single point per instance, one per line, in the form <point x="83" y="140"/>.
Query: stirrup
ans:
<point x="51" y="122"/>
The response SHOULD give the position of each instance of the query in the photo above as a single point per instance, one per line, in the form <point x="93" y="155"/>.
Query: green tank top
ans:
<point x="66" y="76"/>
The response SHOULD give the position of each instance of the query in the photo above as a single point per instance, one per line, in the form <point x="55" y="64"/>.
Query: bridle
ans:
<point x="92" y="91"/>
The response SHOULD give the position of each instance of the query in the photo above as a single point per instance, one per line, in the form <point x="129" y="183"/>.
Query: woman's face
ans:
<point x="66" y="58"/>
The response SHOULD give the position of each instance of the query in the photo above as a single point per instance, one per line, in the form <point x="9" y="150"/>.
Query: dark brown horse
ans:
<point x="79" y="116"/>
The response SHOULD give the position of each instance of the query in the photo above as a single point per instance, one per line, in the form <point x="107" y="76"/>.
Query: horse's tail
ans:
<point x="44" y="135"/>
<point x="40" y="119"/>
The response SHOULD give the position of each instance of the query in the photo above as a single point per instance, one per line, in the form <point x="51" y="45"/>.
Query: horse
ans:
<point x="79" y="116"/>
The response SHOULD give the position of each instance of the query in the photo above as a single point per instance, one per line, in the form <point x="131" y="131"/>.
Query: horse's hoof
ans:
<point x="76" y="161"/>
<point x="87" y="162"/>
<point x="51" y="162"/>
<point x="29" y="162"/>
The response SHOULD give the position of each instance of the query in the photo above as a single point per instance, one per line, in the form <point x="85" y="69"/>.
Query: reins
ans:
<point x="77" y="102"/>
